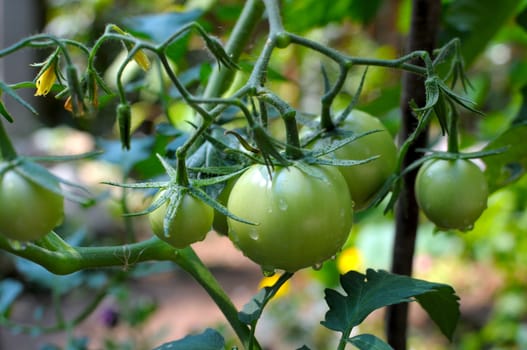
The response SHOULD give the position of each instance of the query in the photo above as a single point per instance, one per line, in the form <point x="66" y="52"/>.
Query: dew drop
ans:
<point x="268" y="271"/>
<point x="282" y="204"/>
<point x="254" y="234"/>
<point x="334" y="257"/>
<point x="317" y="266"/>
<point x="467" y="228"/>
<point x="234" y="236"/>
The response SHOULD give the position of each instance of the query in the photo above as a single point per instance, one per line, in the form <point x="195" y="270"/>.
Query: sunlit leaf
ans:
<point x="507" y="167"/>
<point x="376" y="289"/>
<point x="210" y="339"/>
<point x="368" y="342"/>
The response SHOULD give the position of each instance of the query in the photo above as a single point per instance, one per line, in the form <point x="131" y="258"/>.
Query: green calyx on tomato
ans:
<point x="28" y="211"/>
<point x="303" y="215"/>
<point x="452" y="193"/>
<point x="364" y="180"/>
<point x="219" y="223"/>
<point x="190" y="223"/>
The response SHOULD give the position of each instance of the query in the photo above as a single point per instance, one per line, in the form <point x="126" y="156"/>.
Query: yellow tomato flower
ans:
<point x="142" y="60"/>
<point x="270" y="281"/>
<point x="349" y="259"/>
<point x="46" y="79"/>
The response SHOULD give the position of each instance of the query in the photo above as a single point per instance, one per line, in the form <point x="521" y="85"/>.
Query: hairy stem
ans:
<point x="240" y="36"/>
<point x="423" y="33"/>
<point x="71" y="259"/>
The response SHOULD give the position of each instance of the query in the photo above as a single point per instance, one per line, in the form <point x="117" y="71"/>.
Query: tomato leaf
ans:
<point x="376" y="289"/>
<point x="475" y="22"/>
<point x="252" y="311"/>
<point x="5" y="113"/>
<point x="368" y="342"/>
<point x="509" y="166"/>
<point x="210" y="339"/>
<point x="442" y="308"/>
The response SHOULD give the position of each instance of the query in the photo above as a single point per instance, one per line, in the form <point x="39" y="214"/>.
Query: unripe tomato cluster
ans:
<point x="301" y="215"/>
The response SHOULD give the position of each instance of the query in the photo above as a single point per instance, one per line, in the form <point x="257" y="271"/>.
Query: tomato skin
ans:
<point x="191" y="223"/>
<point x="28" y="211"/>
<point x="365" y="180"/>
<point x="220" y="220"/>
<point x="451" y="193"/>
<point x="302" y="220"/>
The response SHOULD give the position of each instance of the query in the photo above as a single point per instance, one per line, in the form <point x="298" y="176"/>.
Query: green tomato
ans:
<point x="28" y="211"/>
<point x="220" y="220"/>
<point x="302" y="216"/>
<point x="365" y="180"/>
<point x="190" y="224"/>
<point x="451" y="193"/>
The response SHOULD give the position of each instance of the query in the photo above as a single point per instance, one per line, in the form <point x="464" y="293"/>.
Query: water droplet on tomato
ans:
<point x="317" y="266"/>
<point x="468" y="228"/>
<point x="254" y="234"/>
<point x="268" y="271"/>
<point x="282" y="204"/>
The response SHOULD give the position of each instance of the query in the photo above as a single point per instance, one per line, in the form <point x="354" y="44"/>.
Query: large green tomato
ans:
<point x="302" y="216"/>
<point x="191" y="223"/>
<point x="365" y="180"/>
<point x="28" y="211"/>
<point x="451" y="193"/>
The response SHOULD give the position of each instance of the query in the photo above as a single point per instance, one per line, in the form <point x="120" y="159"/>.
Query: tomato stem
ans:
<point x="453" y="142"/>
<point x="7" y="151"/>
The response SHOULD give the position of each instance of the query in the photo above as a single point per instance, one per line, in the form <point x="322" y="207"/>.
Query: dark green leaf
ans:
<point x="210" y="339"/>
<point x="475" y="22"/>
<point x="521" y="19"/>
<point x="13" y="94"/>
<point x="5" y="113"/>
<point x="10" y="289"/>
<point x="509" y="166"/>
<point x="253" y="309"/>
<point x="521" y="117"/>
<point x="442" y="308"/>
<point x="376" y="289"/>
<point x="369" y="342"/>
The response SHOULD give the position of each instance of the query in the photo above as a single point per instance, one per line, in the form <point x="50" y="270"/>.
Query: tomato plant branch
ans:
<point x="67" y="261"/>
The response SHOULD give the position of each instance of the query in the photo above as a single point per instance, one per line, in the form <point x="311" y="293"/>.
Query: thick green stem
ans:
<point x="239" y="38"/>
<point x="293" y="149"/>
<point x="74" y="259"/>
<point x="453" y="142"/>
<point x="7" y="151"/>
<point x="191" y="263"/>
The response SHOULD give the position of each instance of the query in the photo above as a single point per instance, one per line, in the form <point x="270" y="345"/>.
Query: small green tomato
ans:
<point x="191" y="223"/>
<point x="451" y="193"/>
